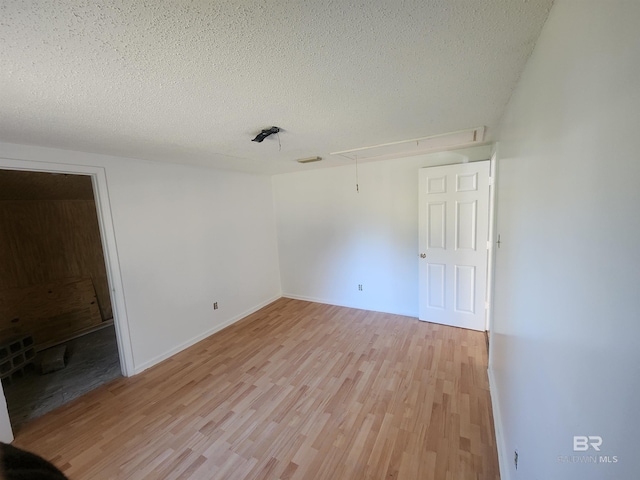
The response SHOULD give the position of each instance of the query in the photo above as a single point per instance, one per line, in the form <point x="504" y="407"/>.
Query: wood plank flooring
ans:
<point x="297" y="390"/>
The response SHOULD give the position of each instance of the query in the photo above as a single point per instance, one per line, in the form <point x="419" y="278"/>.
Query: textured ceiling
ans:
<point x="194" y="81"/>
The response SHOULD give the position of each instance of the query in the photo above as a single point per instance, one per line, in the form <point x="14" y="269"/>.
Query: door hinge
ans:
<point x="488" y="244"/>
<point x="491" y="180"/>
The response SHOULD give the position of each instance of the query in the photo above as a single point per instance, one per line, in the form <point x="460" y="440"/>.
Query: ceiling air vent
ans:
<point x="407" y="148"/>
<point x="309" y="160"/>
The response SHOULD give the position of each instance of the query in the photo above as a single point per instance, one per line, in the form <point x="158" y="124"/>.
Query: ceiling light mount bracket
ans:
<point x="265" y="133"/>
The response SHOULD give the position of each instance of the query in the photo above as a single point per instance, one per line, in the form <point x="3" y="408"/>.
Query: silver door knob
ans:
<point x="423" y="255"/>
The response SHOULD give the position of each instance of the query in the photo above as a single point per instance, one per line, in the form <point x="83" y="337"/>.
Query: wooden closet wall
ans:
<point x="53" y="282"/>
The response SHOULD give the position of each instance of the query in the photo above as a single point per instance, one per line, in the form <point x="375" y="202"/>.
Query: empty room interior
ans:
<point x="321" y="240"/>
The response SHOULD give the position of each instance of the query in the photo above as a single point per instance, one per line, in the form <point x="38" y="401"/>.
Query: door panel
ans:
<point x="465" y="289"/>
<point x="454" y="220"/>
<point x="466" y="225"/>
<point x="436" y="285"/>
<point x="437" y="230"/>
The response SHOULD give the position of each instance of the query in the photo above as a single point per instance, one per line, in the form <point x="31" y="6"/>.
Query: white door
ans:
<point x="454" y="228"/>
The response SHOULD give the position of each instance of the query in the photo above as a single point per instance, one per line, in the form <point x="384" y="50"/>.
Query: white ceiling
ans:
<point x="195" y="81"/>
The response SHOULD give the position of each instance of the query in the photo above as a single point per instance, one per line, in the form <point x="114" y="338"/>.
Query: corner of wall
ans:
<point x="497" y="426"/>
<point x="184" y="345"/>
<point x="6" y="433"/>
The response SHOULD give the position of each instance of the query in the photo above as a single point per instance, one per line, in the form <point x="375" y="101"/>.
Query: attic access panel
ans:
<point x="416" y="146"/>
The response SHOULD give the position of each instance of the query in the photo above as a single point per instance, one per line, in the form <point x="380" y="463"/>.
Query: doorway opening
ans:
<point x="57" y="333"/>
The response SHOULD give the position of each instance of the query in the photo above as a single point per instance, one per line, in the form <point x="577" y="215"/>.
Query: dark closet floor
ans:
<point x="92" y="360"/>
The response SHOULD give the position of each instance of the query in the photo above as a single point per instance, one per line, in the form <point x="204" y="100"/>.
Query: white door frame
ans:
<point x="110" y="251"/>
<point x="492" y="243"/>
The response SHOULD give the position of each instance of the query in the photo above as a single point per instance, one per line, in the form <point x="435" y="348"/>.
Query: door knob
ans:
<point x="423" y="255"/>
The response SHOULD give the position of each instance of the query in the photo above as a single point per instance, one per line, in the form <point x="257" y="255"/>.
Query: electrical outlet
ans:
<point x="515" y="458"/>
<point x="360" y="287"/>
<point x="215" y="305"/>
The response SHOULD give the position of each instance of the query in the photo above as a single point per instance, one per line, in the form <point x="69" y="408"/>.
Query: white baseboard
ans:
<point x="503" y="456"/>
<point x="159" y="358"/>
<point x="340" y="304"/>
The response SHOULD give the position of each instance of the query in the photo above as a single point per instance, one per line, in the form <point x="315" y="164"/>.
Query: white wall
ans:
<point x="186" y="237"/>
<point x="565" y="355"/>
<point x="6" y="433"/>
<point x="332" y="238"/>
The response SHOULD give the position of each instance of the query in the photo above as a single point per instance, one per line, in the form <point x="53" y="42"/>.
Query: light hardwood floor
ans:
<point x="297" y="390"/>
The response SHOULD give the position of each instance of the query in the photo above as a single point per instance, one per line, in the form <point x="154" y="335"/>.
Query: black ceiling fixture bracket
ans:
<point x="265" y="133"/>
